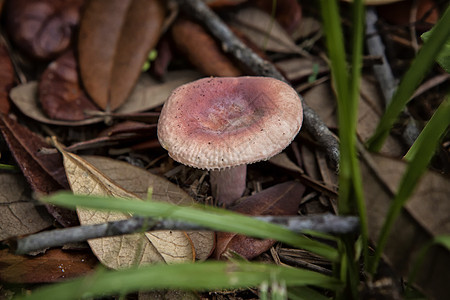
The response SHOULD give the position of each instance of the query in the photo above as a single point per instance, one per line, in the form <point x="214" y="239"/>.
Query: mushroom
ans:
<point x="222" y="124"/>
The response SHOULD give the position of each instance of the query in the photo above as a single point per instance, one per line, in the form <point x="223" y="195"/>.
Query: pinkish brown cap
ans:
<point x="215" y="123"/>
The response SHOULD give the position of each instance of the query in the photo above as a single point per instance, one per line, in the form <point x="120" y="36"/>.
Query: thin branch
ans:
<point x="322" y="223"/>
<point x="383" y="72"/>
<point x="258" y="66"/>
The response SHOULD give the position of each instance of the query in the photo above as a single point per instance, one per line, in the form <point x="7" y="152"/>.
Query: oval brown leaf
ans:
<point x="60" y="92"/>
<point x="114" y="41"/>
<point x="281" y="199"/>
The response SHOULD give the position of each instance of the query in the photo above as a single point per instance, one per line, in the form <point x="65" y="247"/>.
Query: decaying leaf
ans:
<point x="42" y="28"/>
<point x="300" y="68"/>
<point x="322" y="100"/>
<point x="265" y="32"/>
<point x="425" y="216"/>
<point x="288" y="13"/>
<point x="54" y="265"/>
<point x="20" y="215"/>
<point x="202" y="50"/>
<point x="123" y="251"/>
<point x="44" y="172"/>
<point x="6" y="78"/>
<point x="281" y="199"/>
<point x="138" y="180"/>
<point x="148" y="94"/>
<point x="60" y="93"/>
<point x="21" y="139"/>
<point x="114" y="41"/>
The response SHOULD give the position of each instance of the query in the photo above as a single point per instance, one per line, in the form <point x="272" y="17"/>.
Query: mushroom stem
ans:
<point x="228" y="185"/>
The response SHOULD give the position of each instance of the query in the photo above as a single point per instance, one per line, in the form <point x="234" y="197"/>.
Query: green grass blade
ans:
<point x="211" y="217"/>
<point x="355" y="79"/>
<point x="346" y="85"/>
<point x="199" y="276"/>
<point x="423" y="152"/>
<point x="432" y="131"/>
<point x="419" y="67"/>
<point x="8" y="167"/>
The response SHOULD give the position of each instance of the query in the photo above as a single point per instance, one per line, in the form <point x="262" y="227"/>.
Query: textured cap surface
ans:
<point x="215" y="123"/>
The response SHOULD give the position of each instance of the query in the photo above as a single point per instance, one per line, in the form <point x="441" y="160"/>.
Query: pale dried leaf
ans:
<point x="307" y="27"/>
<point x="168" y="246"/>
<point x="114" y="252"/>
<point x="25" y="97"/>
<point x="265" y="32"/>
<point x="138" y="180"/>
<point x="150" y="93"/>
<point x="147" y="94"/>
<point x="301" y="68"/>
<point x="19" y="215"/>
<point x="425" y="216"/>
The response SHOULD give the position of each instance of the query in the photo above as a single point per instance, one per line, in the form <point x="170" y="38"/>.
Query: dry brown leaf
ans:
<point x="150" y="93"/>
<point x="299" y="68"/>
<point x="322" y="100"/>
<point x="114" y="40"/>
<point x="147" y="94"/>
<point x="19" y="214"/>
<point x="123" y="251"/>
<point x="262" y="30"/>
<point x="138" y="180"/>
<point x="60" y="92"/>
<point x="288" y="13"/>
<point x="25" y="97"/>
<point x="201" y="49"/>
<point x="281" y="199"/>
<point x="425" y="216"/>
<point x="114" y="252"/>
<point x="54" y="265"/>
<point x="6" y="78"/>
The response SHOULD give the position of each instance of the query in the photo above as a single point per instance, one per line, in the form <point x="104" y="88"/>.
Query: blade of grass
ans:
<point x="419" y="67"/>
<point x="8" y="167"/>
<point x="355" y="79"/>
<point x="431" y="132"/>
<point x="347" y="92"/>
<point x="199" y="276"/>
<point x="214" y="218"/>
<point x="424" y="149"/>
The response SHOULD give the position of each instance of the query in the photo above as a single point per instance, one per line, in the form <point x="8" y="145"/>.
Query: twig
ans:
<point x="383" y="72"/>
<point x="258" y="66"/>
<point x="322" y="223"/>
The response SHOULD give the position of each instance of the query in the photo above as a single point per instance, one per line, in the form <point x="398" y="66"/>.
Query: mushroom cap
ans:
<point x="221" y="122"/>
